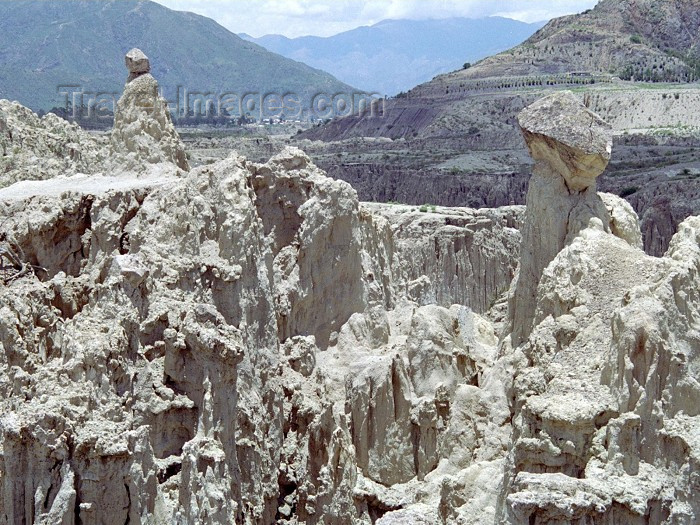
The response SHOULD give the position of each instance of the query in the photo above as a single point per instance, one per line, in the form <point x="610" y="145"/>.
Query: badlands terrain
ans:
<point x="248" y="342"/>
<point x="470" y="152"/>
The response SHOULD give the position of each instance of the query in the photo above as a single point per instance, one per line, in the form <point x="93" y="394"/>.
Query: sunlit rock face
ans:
<point x="236" y="343"/>
<point x="248" y="343"/>
<point x="34" y="148"/>
<point x="137" y="63"/>
<point x="606" y="352"/>
<point x="563" y="134"/>
<point x="143" y="130"/>
<point x="571" y="146"/>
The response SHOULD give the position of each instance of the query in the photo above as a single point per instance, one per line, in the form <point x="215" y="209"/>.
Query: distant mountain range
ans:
<point x="650" y="40"/>
<point x="48" y="44"/>
<point x="395" y="55"/>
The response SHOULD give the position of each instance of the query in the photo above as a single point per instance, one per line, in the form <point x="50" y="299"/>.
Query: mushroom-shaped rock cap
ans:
<point x="137" y="63"/>
<point x="574" y="141"/>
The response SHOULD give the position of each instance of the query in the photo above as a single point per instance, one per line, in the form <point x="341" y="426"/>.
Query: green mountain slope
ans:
<point x="47" y="44"/>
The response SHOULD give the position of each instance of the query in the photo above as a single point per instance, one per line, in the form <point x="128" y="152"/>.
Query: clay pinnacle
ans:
<point x="566" y="135"/>
<point x="137" y="63"/>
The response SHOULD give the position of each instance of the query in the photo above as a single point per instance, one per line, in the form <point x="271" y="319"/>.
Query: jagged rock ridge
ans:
<point x="247" y="343"/>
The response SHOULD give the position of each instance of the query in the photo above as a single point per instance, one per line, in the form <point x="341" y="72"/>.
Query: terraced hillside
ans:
<point x="633" y="39"/>
<point x="455" y="141"/>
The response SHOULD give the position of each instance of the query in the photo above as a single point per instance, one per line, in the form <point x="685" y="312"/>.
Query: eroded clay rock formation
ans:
<point x="143" y="130"/>
<point x="605" y="395"/>
<point x="604" y="430"/>
<point x="571" y="146"/>
<point x="227" y="347"/>
<point x="137" y="63"/>
<point x="440" y="251"/>
<point x="143" y="140"/>
<point x="33" y="148"/>
<point x="248" y="343"/>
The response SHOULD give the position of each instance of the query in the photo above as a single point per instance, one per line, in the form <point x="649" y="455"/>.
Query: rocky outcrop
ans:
<point x="248" y="343"/>
<point x="238" y="344"/>
<point x="143" y="130"/>
<point x="49" y="148"/>
<point x="571" y="147"/>
<point x="312" y="222"/>
<point x="449" y="256"/>
<point x="622" y="220"/>
<point x="597" y="397"/>
<point x="137" y="63"/>
<point x="33" y="148"/>
<point x="592" y="434"/>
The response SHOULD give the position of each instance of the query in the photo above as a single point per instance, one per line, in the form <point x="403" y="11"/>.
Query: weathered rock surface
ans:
<point x="177" y="308"/>
<point x="218" y="335"/>
<point x="439" y="252"/>
<point x="33" y="148"/>
<point x="143" y="130"/>
<point x="565" y="135"/>
<point x="571" y="147"/>
<point x="248" y="343"/>
<point x="605" y="381"/>
<point x="599" y="403"/>
<point x="143" y="139"/>
<point x="137" y="63"/>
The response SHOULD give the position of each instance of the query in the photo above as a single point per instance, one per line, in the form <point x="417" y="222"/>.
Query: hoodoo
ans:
<point x="143" y="130"/>
<point x="605" y="397"/>
<point x="571" y="146"/>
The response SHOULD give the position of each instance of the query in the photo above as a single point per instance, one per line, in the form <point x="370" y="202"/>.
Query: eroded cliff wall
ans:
<point x="248" y="343"/>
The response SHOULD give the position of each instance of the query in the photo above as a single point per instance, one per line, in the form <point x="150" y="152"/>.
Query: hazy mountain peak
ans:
<point x="395" y="55"/>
